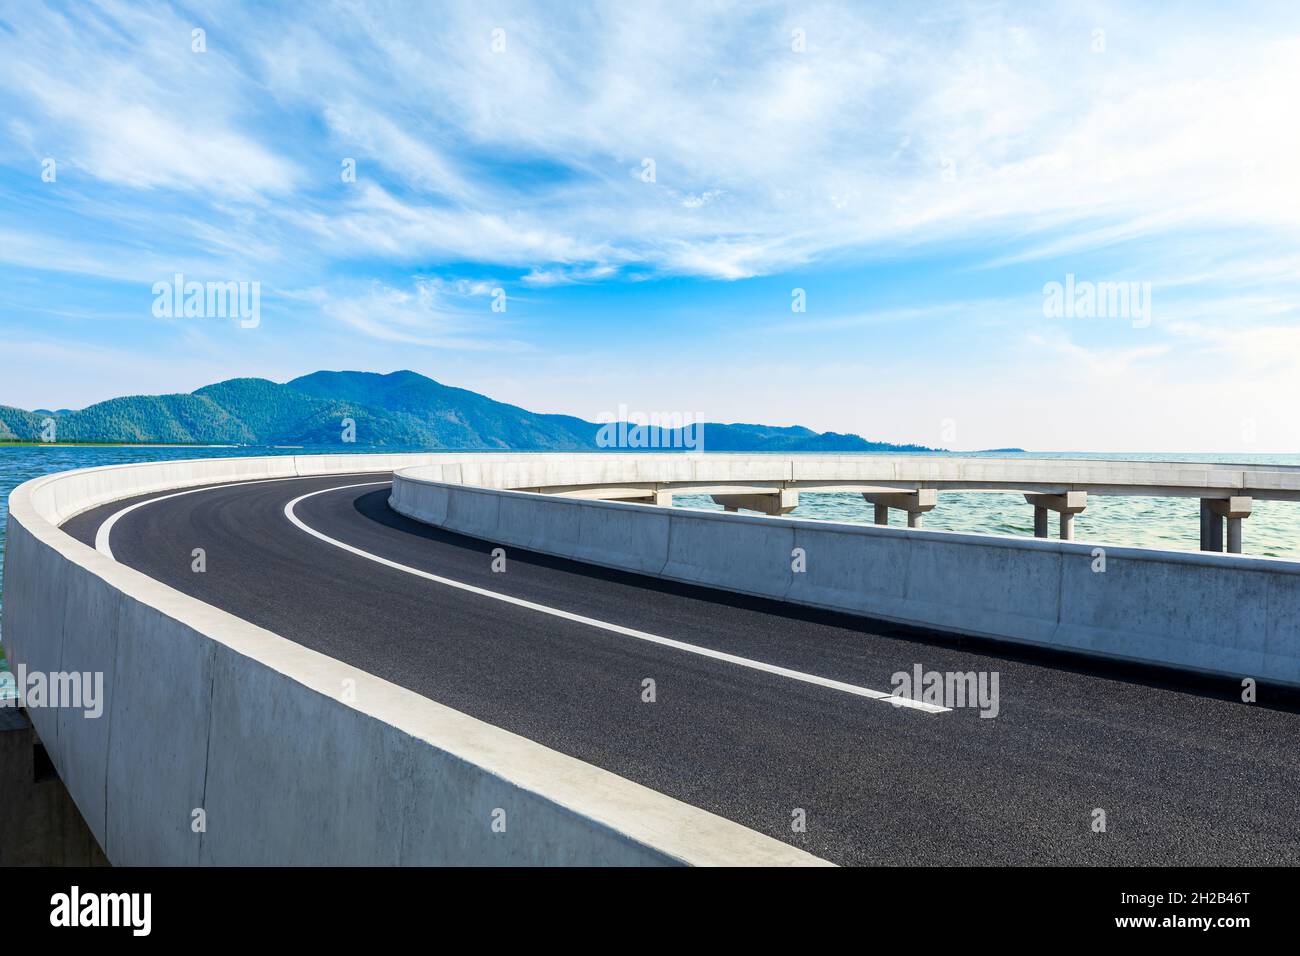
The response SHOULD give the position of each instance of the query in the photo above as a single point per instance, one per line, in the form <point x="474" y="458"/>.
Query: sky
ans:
<point x="858" y="217"/>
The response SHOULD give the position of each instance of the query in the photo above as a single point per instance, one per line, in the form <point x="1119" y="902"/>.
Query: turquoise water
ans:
<point x="1273" y="529"/>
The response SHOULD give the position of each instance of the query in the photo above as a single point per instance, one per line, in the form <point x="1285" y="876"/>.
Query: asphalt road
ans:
<point x="1185" y="772"/>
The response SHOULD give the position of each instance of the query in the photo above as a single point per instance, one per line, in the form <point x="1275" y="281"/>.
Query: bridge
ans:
<point x="505" y="658"/>
<point x="771" y="485"/>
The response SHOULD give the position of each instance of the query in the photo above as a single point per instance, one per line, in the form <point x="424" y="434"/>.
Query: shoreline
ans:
<point x="110" y="444"/>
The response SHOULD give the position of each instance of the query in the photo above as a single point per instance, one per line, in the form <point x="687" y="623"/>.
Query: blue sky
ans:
<point x="921" y="172"/>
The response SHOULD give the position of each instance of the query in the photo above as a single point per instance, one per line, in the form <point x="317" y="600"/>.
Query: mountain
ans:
<point x="457" y="417"/>
<point x="402" y="409"/>
<point x="18" y="425"/>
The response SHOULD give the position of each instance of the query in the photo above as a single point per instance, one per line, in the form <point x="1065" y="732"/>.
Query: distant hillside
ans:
<point x="399" y="409"/>
<point x="18" y="425"/>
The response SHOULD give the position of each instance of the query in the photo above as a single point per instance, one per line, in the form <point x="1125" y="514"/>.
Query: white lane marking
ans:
<point x="106" y="529"/>
<point x="894" y="699"/>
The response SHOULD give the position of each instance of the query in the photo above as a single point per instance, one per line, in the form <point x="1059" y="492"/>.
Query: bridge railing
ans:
<point x="1211" y="613"/>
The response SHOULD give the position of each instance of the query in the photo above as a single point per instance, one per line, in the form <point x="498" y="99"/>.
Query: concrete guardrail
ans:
<point x="1211" y="613"/>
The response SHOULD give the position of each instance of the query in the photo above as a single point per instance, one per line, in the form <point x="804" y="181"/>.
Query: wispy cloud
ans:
<point x="1095" y="365"/>
<point x="884" y="128"/>
<point x="120" y="96"/>
<point x="431" y="313"/>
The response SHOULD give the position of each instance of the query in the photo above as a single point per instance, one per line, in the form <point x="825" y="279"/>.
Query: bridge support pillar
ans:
<point x="915" y="503"/>
<point x="39" y="823"/>
<point x="664" y="499"/>
<point x="1215" y="512"/>
<point x="1067" y="505"/>
<point x="778" y="502"/>
<point x="1211" y="527"/>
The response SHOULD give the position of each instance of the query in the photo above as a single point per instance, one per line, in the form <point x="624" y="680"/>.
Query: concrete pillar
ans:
<point x="39" y="823"/>
<point x="1067" y="505"/>
<point x="664" y="499"/>
<point x="915" y="503"/>
<point x="1215" y="512"/>
<point x="1211" y="527"/>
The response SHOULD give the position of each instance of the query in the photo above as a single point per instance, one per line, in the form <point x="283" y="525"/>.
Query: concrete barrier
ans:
<point x="223" y="743"/>
<point x="1219" y="614"/>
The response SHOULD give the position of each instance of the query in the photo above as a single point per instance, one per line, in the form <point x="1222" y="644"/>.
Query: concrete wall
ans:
<point x="728" y="474"/>
<point x="1212" y="613"/>
<point x="294" y="757"/>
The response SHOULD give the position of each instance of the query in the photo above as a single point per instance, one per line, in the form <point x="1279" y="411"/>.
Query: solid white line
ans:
<point x="106" y="529"/>
<point x="894" y="699"/>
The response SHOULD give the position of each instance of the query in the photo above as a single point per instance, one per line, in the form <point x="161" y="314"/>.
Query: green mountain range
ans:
<point x="402" y="409"/>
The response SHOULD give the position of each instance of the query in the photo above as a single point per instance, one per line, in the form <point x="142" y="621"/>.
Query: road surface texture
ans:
<point x="1185" y="772"/>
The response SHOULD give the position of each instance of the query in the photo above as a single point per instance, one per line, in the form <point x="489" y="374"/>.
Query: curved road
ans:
<point x="1185" y="772"/>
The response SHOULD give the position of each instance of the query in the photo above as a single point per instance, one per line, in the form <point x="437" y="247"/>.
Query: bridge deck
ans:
<point x="1184" y="771"/>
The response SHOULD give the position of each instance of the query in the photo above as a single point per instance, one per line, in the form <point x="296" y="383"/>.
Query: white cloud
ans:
<point x="766" y="159"/>
<point x="120" y="96"/>
<point x="432" y="313"/>
<point x="1094" y="365"/>
<point x="568" y="275"/>
<point x="1252" y="348"/>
